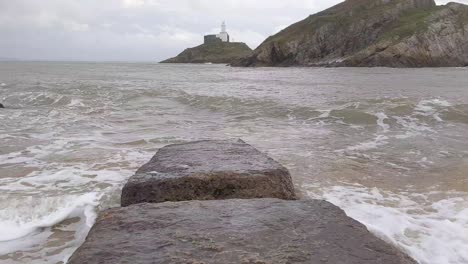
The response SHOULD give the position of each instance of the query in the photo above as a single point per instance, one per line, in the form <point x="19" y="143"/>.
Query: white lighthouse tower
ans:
<point x="223" y="27"/>
<point x="223" y="35"/>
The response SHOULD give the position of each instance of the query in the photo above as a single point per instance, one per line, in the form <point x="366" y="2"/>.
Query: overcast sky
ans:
<point x="138" y="30"/>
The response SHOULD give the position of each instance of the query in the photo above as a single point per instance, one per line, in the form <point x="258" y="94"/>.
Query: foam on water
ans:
<point x="29" y="216"/>
<point x="76" y="132"/>
<point x="70" y="184"/>
<point x="431" y="227"/>
<point x="381" y="121"/>
<point x="432" y="108"/>
<point x="379" y="141"/>
<point x="325" y="113"/>
<point x="76" y="102"/>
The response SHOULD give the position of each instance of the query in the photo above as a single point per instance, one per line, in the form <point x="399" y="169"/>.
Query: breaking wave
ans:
<point x="30" y="215"/>
<point x="431" y="227"/>
<point x="68" y="143"/>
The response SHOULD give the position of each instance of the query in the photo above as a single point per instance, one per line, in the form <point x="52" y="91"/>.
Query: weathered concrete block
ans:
<point x="233" y="231"/>
<point x="208" y="170"/>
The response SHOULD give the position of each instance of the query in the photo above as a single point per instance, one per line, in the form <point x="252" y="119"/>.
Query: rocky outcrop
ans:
<point x="208" y="170"/>
<point x="233" y="232"/>
<point x="392" y="33"/>
<point x="1" y="106"/>
<point x="218" y="52"/>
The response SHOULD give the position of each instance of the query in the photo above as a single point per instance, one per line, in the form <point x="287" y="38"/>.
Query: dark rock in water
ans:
<point x="208" y="170"/>
<point x="1" y="106"/>
<point x="363" y="33"/>
<point x="218" y="52"/>
<point x="225" y="231"/>
<point x="232" y="232"/>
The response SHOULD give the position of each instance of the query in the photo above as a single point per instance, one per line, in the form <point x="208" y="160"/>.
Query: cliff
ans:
<point x="367" y="33"/>
<point x="220" y="52"/>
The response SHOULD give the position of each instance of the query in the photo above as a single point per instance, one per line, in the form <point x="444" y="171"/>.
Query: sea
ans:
<point x="388" y="146"/>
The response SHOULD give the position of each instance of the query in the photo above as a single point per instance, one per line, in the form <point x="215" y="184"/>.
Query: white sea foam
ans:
<point x="430" y="229"/>
<point x="381" y="121"/>
<point x="412" y="126"/>
<point x="431" y="108"/>
<point x="380" y="140"/>
<point x="72" y="177"/>
<point x="76" y="102"/>
<point x="428" y="105"/>
<point x="14" y="158"/>
<point x="325" y="113"/>
<point x="29" y="216"/>
<point x="440" y="102"/>
<point x="26" y="218"/>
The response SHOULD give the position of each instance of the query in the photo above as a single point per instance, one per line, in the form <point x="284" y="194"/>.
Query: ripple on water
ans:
<point x="75" y="132"/>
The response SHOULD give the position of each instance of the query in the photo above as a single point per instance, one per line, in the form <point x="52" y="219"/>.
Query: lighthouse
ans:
<point x="223" y="27"/>
<point x="223" y="36"/>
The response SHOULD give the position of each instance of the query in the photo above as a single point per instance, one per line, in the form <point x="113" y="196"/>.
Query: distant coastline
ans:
<point x="5" y="59"/>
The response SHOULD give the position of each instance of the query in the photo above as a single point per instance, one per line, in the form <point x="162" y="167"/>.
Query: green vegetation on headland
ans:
<point x="410" y="23"/>
<point x="218" y="52"/>
<point x="367" y="33"/>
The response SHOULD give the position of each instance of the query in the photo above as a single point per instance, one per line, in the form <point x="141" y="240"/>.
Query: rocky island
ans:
<point x="368" y="33"/>
<point x="219" y="52"/>
<point x="216" y="48"/>
<point x="223" y="201"/>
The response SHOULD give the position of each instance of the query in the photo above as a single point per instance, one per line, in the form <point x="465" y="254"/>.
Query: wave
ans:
<point x="38" y="99"/>
<point x="431" y="229"/>
<point x="247" y="108"/>
<point x="383" y="113"/>
<point x="379" y="141"/>
<point x="26" y="216"/>
<point x="28" y="225"/>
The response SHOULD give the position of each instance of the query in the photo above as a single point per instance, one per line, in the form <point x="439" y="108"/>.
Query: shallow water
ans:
<point x="389" y="146"/>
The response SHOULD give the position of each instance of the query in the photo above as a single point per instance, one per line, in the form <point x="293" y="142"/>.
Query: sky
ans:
<point x="138" y="30"/>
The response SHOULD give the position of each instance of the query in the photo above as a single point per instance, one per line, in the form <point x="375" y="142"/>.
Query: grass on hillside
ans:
<point x="410" y="23"/>
<point x="341" y="18"/>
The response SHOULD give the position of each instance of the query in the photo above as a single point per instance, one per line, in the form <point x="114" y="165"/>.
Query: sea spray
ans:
<point x="430" y="228"/>
<point x="29" y="216"/>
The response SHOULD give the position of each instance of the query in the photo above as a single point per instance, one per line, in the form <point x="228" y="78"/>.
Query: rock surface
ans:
<point x="233" y="231"/>
<point x="212" y="53"/>
<point x="392" y="33"/>
<point x="208" y="170"/>
<point x="1" y="106"/>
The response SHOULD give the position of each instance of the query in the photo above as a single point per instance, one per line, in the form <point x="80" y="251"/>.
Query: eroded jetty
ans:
<point x="225" y="202"/>
<point x="208" y="170"/>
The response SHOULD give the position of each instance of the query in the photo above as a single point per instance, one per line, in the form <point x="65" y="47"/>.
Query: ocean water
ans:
<point x="389" y="146"/>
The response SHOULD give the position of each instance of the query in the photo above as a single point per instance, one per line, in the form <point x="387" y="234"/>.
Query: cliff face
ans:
<point x="393" y="33"/>
<point x="220" y="52"/>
